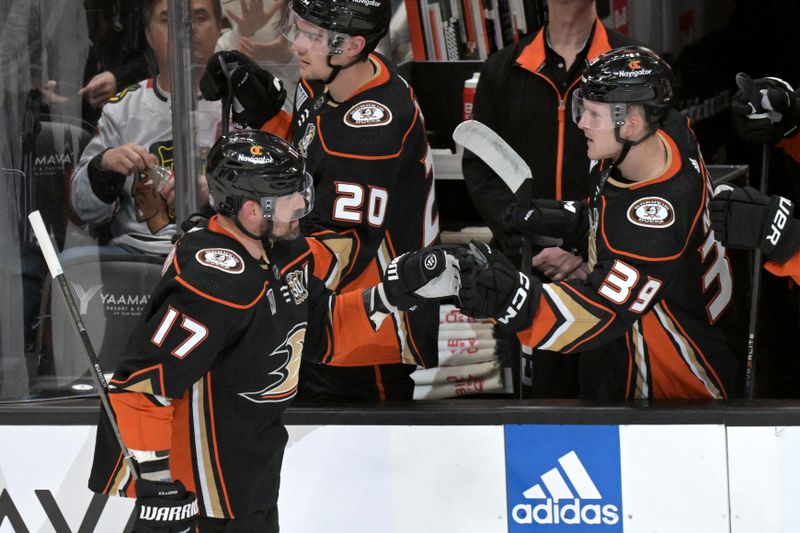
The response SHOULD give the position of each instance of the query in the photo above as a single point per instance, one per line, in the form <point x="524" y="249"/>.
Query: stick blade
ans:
<point x="494" y="151"/>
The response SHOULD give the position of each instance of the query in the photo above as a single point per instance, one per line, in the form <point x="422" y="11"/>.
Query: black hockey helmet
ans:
<point x="628" y="75"/>
<point x="368" y="18"/>
<point x="259" y="166"/>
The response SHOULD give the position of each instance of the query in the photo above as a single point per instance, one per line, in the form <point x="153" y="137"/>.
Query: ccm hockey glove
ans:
<point x="492" y="288"/>
<point x="164" y="507"/>
<point x="257" y="94"/>
<point x="427" y="274"/>
<point x="764" y="110"/>
<point x="745" y="218"/>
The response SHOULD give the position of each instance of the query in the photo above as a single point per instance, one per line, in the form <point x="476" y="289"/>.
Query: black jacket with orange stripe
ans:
<point x="658" y="277"/>
<point x="516" y="99"/>
<point x="214" y="363"/>
<point x="375" y="197"/>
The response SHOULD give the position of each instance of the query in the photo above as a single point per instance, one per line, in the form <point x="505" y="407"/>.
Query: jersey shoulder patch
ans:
<point x="374" y="124"/>
<point x="219" y="269"/>
<point x="654" y="222"/>
<point x="124" y="92"/>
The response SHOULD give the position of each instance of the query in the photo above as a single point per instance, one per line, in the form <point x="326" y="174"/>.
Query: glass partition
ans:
<point x="84" y="85"/>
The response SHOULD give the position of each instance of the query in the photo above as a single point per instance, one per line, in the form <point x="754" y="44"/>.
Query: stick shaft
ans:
<point x="57" y="273"/>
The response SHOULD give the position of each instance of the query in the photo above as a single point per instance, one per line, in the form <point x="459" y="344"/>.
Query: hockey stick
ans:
<point x="493" y="150"/>
<point x="56" y="272"/>
<point x="755" y="295"/>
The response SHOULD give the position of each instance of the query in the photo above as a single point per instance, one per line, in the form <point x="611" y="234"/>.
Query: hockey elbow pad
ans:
<point x="492" y="288"/>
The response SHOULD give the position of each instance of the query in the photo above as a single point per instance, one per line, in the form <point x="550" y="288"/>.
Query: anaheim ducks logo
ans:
<point x="308" y="138"/>
<point x="282" y="384"/>
<point x="651" y="212"/>
<point x="221" y="259"/>
<point x="368" y="114"/>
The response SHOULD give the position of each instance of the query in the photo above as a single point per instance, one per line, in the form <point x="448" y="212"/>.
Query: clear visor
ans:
<point x="311" y="38"/>
<point x="290" y="207"/>
<point x="596" y="115"/>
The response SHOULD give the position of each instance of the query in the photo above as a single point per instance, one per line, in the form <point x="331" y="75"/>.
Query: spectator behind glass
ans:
<point x="118" y="56"/>
<point x="134" y="135"/>
<point x="256" y="32"/>
<point x="531" y="83"/>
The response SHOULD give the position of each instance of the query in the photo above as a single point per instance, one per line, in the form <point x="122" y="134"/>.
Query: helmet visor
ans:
<point x="311" y="38"/>
<point x="290" y="207"/>
<point x="596" y="116"/>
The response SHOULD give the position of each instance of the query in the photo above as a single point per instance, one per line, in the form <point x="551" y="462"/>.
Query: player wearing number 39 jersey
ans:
<point x="656" y="275"/>
<point x="208" y="373"/>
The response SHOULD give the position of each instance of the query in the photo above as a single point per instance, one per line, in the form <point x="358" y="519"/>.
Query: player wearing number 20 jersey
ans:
<point x="375" y="197"/>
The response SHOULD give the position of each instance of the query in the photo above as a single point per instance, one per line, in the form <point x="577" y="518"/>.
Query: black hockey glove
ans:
<point x="257" y="94"/>
<point x="106" y="184"/>
<point x="745" y="218"/>
<point x="492" y="288"/>
<point x="764" y="110"/>
<point x="164" y="507"/>
<point x="414" y="277"/>
<point x="563" y="223"/>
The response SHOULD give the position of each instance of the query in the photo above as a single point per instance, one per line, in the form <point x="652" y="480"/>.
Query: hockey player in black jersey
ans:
<point x="358" y="123"/>
<point x="656" y="276"/>
<point x="208" y="372"/>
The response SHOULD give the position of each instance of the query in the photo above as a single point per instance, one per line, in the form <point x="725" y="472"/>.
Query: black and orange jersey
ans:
<point x="375" y="196"/>
<point x="214" y="362"/>
<point x="658" y="277"/>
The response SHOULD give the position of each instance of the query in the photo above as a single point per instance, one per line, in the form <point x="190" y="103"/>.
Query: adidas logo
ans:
<point x="564" y="503"/>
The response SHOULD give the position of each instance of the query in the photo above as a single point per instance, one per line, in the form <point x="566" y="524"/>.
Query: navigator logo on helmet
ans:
<point x="632" y="75"/>
<point x="342" y="19"/>
<point x="275" y="178"/>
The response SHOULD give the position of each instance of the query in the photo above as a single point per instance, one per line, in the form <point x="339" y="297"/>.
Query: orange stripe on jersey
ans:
<point x="323" y="258"/>
<point x="379" y="383"/>
<point x="718" y="382"/>
<point x="381" y="76"/>
<point x="142" y="424"/>
<point x="543" y="321"/>
<point x="280" y="125"/>
<point x="355" y="342"/>
<point x="113" y="477"/>
<point x="216" y="450"/>
<point x="674" y="167"/>
<point x="789" y="268"/>
<point x="791" y="146"/>
<point x="296" y="260"/>
<point x="180" y="455"/>
<point x="219" y="300"/>
<point x="629" y="381"/>
<point x="368" y="157"/>
<point x="608" y="310"/>
<point x="670" y="374"/>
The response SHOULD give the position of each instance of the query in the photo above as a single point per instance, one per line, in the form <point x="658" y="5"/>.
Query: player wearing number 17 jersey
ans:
<point x="657" y="276"/>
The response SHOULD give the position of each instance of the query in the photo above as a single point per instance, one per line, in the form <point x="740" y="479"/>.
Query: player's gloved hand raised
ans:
<point x="492" y="288"/>
<point x="764" y="110"/>
<point x="552" y="219"/>
<point x="257" y="94"/>
<point x="745" y="218"/>
<point x="414" y="277"/>
<point x="164" y="507"/>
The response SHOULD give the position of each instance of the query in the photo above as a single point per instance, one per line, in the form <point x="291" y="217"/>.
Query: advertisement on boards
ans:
<point x="563" y="479"/>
